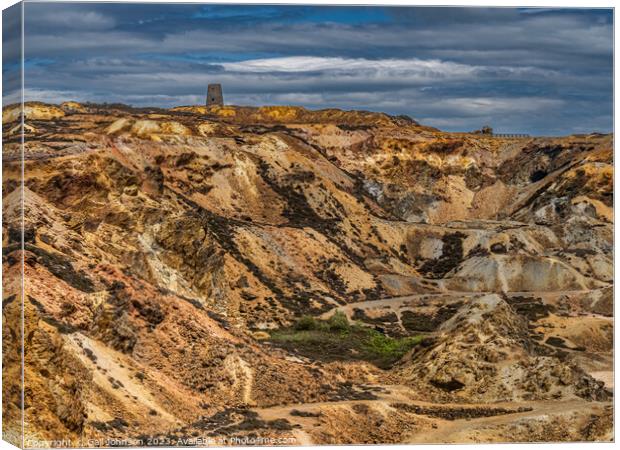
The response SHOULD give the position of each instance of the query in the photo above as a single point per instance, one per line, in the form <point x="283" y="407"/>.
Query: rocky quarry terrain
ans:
<point x="239" y="274"/>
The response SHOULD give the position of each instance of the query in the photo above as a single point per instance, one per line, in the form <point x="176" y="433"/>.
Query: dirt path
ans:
<point x="395" y="303"/>
<point x="484" y="429"/>
<point x="606" y="376"/>
<point x="443" y="431"/>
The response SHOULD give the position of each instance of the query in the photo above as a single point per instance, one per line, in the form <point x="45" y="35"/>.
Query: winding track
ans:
<point x="481" y="429"/>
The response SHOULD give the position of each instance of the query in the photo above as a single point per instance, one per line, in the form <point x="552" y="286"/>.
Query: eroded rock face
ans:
<point x="164" y="250"/>
<point x="485" y="352"/>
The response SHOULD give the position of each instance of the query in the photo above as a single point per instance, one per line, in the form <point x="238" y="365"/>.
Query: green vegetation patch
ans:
<point x="338" y="339"/>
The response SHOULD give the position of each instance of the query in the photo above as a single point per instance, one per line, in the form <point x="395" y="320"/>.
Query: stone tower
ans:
<point x="214" y="95"/>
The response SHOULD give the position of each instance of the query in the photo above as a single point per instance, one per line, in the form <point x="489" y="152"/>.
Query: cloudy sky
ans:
<point x="538" y="71"/>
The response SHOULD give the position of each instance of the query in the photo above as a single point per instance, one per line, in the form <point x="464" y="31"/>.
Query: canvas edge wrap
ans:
<point x="13" y="232"/>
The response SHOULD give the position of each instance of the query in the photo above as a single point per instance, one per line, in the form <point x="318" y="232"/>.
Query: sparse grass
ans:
<point x="337" y="322"/>
<point x="388" y="347"/>
<point x="338" y="339"/>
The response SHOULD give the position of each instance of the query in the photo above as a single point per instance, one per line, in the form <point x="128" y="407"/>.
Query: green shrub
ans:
<point x="391" y="348"/>
<point x="306" y="323"/>
<point x="339" y="322"/>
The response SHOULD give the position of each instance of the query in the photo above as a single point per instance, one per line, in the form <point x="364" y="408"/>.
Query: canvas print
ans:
<point x="240" y="225"/>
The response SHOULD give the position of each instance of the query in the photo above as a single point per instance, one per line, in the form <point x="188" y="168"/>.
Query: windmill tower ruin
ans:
<point x="214" y="95"/>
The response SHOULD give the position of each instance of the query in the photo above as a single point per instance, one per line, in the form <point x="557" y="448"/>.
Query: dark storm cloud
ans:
<point x="531" y="70"/>
<point x="11" y="54"/>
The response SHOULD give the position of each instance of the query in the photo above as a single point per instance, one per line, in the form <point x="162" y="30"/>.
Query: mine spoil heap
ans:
<point x="321" y="276"/>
